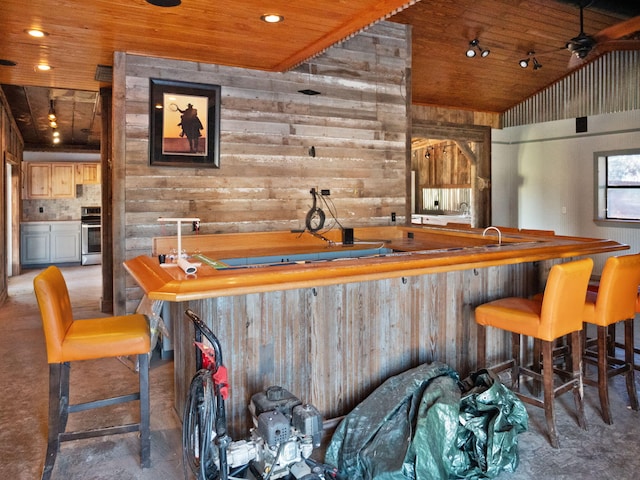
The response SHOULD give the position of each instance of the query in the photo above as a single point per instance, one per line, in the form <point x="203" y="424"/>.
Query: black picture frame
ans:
<point x="184" y="124"/>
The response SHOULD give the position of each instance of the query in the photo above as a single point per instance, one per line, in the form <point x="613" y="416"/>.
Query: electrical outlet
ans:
<point x="41" y="209"/>
<point x="393" y="216"/>
<point x="325" y="191"/>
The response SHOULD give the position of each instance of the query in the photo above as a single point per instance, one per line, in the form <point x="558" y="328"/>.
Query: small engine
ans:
<point x="284" y="435"/>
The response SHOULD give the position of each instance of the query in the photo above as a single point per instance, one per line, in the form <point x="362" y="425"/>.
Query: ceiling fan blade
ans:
<point x="619" y="30"/>
<point x="612" y="45"/>
<point x="575" y="62"/>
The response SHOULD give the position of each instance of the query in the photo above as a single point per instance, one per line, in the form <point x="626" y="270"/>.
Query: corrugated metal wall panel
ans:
<point x="609" y="84"/>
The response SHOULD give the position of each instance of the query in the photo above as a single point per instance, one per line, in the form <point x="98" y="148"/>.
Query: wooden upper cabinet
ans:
<point x="88" y="173"/>
<point x="49" y="180"/>
<point x="63" y="180"/>
<point x="37" y="180"/>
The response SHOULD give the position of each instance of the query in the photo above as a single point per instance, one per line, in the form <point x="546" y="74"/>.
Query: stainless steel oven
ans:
<point x="91" y="222"/>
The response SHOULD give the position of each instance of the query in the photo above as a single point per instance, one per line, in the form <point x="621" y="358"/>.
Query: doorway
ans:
<point x="12" y="214"/>
<point x="456" y="161"/>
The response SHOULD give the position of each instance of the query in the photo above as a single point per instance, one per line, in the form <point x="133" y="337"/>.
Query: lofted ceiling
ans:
<point x="82" y="37"/>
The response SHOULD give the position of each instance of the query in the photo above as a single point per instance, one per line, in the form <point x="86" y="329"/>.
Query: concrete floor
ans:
<point x="602" y="452"/>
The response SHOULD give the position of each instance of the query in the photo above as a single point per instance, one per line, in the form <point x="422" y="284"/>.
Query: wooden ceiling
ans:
<point x="83" y="35"/>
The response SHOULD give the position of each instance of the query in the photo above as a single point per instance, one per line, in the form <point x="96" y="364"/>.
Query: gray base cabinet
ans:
<point x="50" y="242"/>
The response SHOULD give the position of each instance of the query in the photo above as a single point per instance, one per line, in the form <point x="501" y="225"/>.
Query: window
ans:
<point x="618" y="188"/>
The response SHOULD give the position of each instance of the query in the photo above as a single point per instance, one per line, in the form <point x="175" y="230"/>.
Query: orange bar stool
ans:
<point x="615" y="302"/>
<point x="67" y="341"/>
<point x="592" y="292"/>
<point x="560" y="313"/>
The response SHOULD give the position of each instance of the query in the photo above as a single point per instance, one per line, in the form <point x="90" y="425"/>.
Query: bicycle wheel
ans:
<point x="199" y="452"/>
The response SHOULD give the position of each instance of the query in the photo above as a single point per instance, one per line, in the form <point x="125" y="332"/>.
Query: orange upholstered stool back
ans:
<point x="617" y="295"/>
<point x="563" y="302"/>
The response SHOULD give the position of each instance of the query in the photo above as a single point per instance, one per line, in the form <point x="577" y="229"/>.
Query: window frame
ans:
<point x="601" y="186"/>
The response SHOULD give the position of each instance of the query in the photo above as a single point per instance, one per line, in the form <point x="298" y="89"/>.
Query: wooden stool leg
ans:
<point x="611" y="340"/>
<point x="481" y="346"/>
<point x="603" y="378"/>
<point x="515" y="369"/>
<point x="535" y="366"/>
<point x="145" y="432"/>
<point x="629" y="359"/>
<point x="58" y="413"/>
<point x="576" y="374"/>
<point x="548" y="392"/>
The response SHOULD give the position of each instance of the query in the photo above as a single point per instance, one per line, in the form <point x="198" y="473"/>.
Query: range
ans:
<point x="91" y="220"/>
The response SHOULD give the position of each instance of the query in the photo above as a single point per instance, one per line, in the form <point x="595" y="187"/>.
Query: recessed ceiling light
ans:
<point x="43" y="67"/>
<point x="272" y="18"/>
<point x="36" y="32"/>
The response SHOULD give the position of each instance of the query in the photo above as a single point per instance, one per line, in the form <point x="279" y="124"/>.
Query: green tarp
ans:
<point x="426" y="424"/>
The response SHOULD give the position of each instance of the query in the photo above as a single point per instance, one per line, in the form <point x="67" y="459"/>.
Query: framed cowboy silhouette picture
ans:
<point x="184" y="120"/>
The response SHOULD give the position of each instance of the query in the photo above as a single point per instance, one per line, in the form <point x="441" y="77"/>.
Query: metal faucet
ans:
<point x="497" y="230"/>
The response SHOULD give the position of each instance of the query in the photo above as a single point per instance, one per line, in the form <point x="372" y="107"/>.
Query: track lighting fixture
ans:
<point x="52" y="111"/>
<point x="53" y="119"/>
<point x="427" y="153"/>
<point x="473" y="46"/>
<point x="524" y="63"/>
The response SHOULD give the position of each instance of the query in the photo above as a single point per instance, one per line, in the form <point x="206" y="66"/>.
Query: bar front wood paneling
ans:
<point x="331" y="332"/>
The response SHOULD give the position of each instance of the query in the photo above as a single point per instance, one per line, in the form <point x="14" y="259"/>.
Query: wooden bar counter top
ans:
<point x="416" y="251"/>
<point x="331" y="331"/>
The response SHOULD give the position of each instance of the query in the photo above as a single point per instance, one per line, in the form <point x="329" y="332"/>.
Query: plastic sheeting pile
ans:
<point x="426" y="424"/>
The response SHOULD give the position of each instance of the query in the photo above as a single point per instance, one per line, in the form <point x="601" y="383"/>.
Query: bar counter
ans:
<point x="430" y="250"/>
<point x="330" y="331"/>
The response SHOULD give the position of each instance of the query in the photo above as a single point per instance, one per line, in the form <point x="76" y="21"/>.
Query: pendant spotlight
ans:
<point x="473" y="46"/>
<point x="524" y="63"/>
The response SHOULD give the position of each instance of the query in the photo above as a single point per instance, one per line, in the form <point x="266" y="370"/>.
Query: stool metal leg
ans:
<point x="145" y="433"/>
<point x="58" y="413"/>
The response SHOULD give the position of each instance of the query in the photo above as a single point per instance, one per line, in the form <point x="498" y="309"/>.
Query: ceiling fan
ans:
<point x="582" y="45"/>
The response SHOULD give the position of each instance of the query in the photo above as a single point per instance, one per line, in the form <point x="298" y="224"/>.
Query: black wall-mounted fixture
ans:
<point x="473" y="46"/>
<point x="165" y="3"/>
<point x="312" y="151"/>
<point x="581" y="124"/>
<point x="308" y="91"/>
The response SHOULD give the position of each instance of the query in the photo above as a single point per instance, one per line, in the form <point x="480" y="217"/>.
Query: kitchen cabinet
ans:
<point x="35" y="243"/>
<point x="88" y="173"/>
<point x="49" y="180"/>
<point x="50" y="242"/>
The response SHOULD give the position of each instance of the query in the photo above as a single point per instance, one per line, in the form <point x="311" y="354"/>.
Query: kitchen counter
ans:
<point x="439" y="219"/>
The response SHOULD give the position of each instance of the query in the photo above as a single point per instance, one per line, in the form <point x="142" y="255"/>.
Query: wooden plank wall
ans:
<point x="358" y="126"/>
<point x="331" y="346"/>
